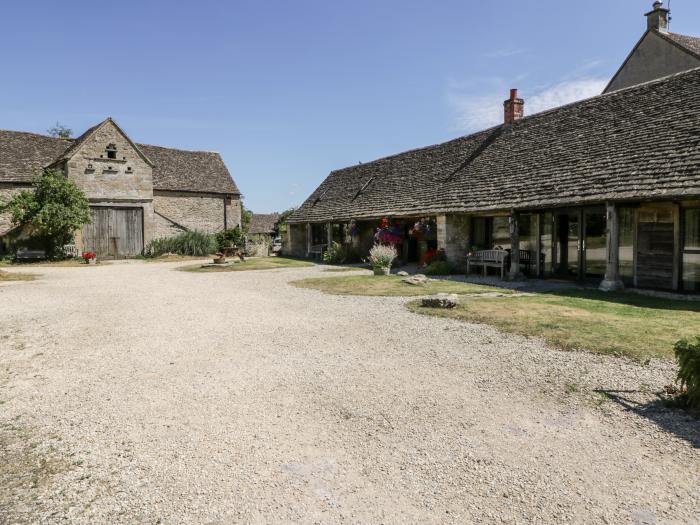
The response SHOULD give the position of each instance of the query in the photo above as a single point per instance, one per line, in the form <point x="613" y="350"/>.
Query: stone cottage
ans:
<point x="604" y="189"/>
<point x="137" y="192"/>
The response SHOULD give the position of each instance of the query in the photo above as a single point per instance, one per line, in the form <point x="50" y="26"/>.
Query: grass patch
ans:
<point x="340" y="269"/>
<point x="175" y="258"/>
<point x="12" y="276"/>
<point x="611" y="323"/>
<point x="256" y="263"/>
<point x="389" y="285"/>
<point x="66" y="263"/>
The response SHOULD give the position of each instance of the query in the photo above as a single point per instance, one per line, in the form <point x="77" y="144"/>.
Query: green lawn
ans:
<point x="389" y="285"/>
<point x="12" y="276"/>
<point x="256" y="263"/>
<point x="339" y="269"/>
<point x="611" y="323"/>
<point x="65" y="263"/>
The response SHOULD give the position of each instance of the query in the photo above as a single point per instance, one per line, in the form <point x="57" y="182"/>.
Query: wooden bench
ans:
<point x="317" y="251"/>
<point x="230" y="251"/>
<point x="489" y="259"/>
<point x="30" y="255"/>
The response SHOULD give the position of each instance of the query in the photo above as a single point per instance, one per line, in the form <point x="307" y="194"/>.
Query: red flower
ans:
<point x="89" y="255"/>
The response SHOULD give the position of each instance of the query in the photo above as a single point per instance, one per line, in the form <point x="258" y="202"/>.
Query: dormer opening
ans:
<point x="111" y="151"/>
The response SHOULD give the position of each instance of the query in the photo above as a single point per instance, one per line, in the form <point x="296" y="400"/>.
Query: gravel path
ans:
<point x="132" y="393"/>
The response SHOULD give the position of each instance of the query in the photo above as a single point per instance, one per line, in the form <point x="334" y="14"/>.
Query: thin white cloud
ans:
<point x="504" y="53"/>
<point x="475" y="112"/>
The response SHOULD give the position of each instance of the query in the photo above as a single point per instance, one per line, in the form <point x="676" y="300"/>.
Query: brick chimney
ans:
<point x="658" y="17"/>
<point x="513" y="108"/>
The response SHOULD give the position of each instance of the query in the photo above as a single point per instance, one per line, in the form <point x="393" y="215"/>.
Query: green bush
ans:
<point x="439" y="268"/>
<point x="336" y="254"/>
<point x="688" y="357"/>
<point x="187" y="243"/>
<point x="230" y="237"/>
<point x="51" y="211"/>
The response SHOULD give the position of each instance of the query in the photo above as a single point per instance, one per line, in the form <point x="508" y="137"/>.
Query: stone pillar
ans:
<point x="612" y="281"/>
<point x="515" y="272"/>
<point x="308" y="239"/>
<point x="457" y="239"/>
<point x="441" y="221"/>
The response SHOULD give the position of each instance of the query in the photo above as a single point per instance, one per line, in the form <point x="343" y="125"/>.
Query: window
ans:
<point x="111" y="151"/>
<point x="691" y="250"/>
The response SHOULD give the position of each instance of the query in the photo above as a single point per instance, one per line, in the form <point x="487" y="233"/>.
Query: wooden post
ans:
<point x="329" y="234"/>
<point x="612" y="281"/>
<point x="308" y="239"/>
<point x="515" y="272"/>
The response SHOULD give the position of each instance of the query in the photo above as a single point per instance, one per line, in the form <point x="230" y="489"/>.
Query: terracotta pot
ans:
<point x="381" y="271"/>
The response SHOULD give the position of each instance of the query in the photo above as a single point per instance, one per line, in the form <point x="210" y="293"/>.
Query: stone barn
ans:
<point x="137" y="192"/>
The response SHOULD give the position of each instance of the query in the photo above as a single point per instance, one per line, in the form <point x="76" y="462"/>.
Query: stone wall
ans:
<point x="176" y="212"/>
<point x="126" y="177"/>
<point x="7" y="191"/>
<point x="295" y="240"/>
<point x="654" y="58"/>
<point x="233" y="211"/>
<point x="453" y="233"/>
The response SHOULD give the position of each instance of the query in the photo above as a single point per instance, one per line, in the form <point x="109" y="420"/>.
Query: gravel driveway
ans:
<point x="132" y="393"/>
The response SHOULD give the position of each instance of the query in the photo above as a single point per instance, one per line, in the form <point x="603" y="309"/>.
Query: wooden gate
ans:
<point x="114" y="233"/>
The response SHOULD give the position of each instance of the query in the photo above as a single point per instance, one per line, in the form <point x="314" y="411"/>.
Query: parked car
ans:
<point x="276" y="244"/>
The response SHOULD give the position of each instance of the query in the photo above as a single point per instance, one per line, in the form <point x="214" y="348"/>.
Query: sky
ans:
<point x="288" y="91"/>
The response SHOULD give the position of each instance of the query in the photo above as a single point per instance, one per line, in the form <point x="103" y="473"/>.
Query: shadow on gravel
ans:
<point x="674" y="421"/>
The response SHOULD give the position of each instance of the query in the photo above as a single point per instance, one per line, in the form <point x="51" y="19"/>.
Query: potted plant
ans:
<point x="90" y="257"/>
<point x="380" y="257"/>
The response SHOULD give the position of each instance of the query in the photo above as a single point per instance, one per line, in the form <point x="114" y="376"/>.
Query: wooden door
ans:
<point x="655" y="248"/>
<point x="114" y="232"/>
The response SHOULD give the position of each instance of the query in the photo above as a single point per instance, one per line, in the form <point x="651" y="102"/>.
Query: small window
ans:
<point x="111" y="151"/>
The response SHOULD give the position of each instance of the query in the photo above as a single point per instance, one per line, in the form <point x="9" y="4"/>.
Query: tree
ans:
<point x="52" y="210"/>
<point x="281" y="224"/>
<point x="246" y="217"/>
<point x="60" y="131"/>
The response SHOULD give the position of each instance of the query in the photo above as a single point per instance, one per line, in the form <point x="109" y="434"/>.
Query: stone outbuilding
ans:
<point x="137" y="192"/>
<point x="606" y="190"/>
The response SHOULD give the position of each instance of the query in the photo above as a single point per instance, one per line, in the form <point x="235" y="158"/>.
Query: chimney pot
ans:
<point x="657" y="18"/>
<point x="513" y="108"/>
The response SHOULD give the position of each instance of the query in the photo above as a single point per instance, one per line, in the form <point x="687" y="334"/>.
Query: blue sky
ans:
<point x="287" y="91"/>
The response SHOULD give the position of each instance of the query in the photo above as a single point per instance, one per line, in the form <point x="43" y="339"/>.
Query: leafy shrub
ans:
<point x="228" y="238"/>
<point x="439" y="268"/>
<point x="187" y="243"/>
<point x="382" y="255"/>
<point x="52" y="210"/>
<point x="688" y="357"/>
<point x="336" y="254"/>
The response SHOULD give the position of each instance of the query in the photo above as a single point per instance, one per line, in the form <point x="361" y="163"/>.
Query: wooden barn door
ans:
<point x="114" y="232"/>
<point x="656" y="230"/>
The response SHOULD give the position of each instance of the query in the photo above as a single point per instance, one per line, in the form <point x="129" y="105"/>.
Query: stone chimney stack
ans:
<point x="658" y="17"/>
<point x="513" y="108"/>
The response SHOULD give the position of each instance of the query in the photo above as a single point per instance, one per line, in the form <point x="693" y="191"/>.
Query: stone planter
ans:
<point x="381" y="271"/>
<point x="92" y="261"/>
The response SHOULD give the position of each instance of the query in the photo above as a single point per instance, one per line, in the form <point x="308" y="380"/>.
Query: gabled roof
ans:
<point x="183" y="170"/>
<point x="24" y="155"/>
<point x="688" y="44"/>
<point x="75" y="146"/>
<point x="263" y="223"/>
<point x="636" y="143"/>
